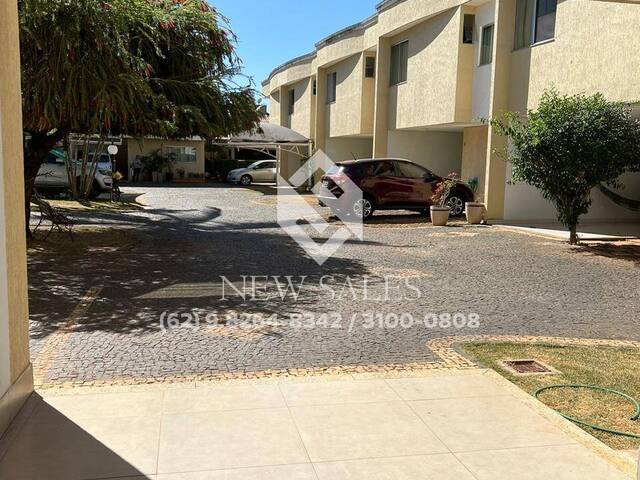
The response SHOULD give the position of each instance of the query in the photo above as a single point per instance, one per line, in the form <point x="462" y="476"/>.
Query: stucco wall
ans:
<point x="440" y="152"/>
<point x="289" y="164"/>
<point x="368" y="99"/>
<point x="292" y="74"/>
<point x="428" y="97"/>
<point x="5" y="346"/>
<point x="16" y="381"/>
<point x="474" y="153"/>
<point x="344" y="116"/>
<point x="341" y="149"/>
<point x="148" y="146"/>
<point x="12" y="218"/>
<point x="274" y="108"/>
<point x="595" y="49"/>
<point x="523" y="202"/>
<point x="578" y="60"/>
<point x="301" y="120"/>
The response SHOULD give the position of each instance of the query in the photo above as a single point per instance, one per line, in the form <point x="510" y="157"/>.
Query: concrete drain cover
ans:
<point x="528" y="367"/>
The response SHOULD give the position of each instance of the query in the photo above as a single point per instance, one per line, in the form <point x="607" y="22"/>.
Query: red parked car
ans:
<point x="386" y="184"/>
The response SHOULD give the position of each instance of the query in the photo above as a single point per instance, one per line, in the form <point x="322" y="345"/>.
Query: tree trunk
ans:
<point x="35" y="154"/>
<point x="573" y="234"/>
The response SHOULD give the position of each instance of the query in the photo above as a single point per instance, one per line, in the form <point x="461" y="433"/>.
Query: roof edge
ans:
<point x="290" y="63"/>
<point x="364" y="24"/>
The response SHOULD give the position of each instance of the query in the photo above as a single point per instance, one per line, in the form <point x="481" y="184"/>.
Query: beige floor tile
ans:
<point x="485" y="423"/>
<point x="348" y="391"/>
<point x="427" y="467"/>
<point x="343" y="432"/>
<point x="61" y="449"/>
<point x="221" y="397"/>
<point x="455" y="386"/>
<point x="110" y="405"/>
<point x="569" y="462"/>
<point x="232" y="439"/>
<point x="281" y="472"/>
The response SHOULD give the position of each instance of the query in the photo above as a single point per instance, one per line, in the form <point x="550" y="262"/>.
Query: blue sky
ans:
<point x="301" y="23"/>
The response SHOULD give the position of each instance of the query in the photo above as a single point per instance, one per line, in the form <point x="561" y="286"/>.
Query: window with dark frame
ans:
<point x="545" y="26"/>
<point x="332" y="85"/>
<point x="399" y="62"/>
<point x="486" y="45"/>
<point x="535" y="22"/>
<point x="468" y="28"/>
<point x="370" y="67"/>
<point x="292" y="101"/>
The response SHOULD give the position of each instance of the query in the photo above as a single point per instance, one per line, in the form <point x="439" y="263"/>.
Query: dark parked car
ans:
<point x="386" y="184"/>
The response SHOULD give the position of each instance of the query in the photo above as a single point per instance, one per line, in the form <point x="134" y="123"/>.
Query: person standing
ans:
<point x="137" y="168"/>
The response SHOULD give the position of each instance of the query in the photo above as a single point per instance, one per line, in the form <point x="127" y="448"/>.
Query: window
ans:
<point x="409" y="170"/>
<point x="545" y="20"/>
<point x="535" y="22"/>
<point x="264" y="165"/>
<point x="384" y="169"/>
<point x="467" y="30"/>
<point x="486" y="45"/>
<point x="370" y="67"/>
<point x="314" y="87"/>
<point x="292" y="101"/>
<point x="399" y="62"/>
<point x="360" y="170"/>
<point x="182" y="154"/>
<point x="332" y="84"/>
<point x="53" y="159"/>
<point x="524" y="23"/>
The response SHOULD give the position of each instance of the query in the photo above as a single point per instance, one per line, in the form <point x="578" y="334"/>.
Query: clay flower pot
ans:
<point x="440" y="215"/>
<point x="475" y="212"/>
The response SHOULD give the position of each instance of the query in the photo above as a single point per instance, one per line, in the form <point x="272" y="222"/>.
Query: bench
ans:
<point x="56" y="217"/>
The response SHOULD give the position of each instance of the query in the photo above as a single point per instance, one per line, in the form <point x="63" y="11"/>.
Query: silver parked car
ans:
<point x="52" y="175"/>
<point x="262" y="171"/>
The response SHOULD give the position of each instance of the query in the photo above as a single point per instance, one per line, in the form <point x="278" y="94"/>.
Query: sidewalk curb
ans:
<point x="620" y="460"/>
<point x="445" y="348"/>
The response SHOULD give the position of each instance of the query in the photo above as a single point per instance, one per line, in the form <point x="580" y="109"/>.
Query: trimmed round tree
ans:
<point x="570" y="145"/>
<point x="160" y="68"/>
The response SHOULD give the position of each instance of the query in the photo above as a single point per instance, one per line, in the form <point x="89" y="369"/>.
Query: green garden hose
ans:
<point x="635" y="416"/>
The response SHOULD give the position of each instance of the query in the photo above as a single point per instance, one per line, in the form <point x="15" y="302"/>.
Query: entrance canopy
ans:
<point x="270" y="137"/>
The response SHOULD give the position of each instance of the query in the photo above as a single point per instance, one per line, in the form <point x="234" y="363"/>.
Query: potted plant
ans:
<point x="439" y="208"/>
<point x="475" y="211"/>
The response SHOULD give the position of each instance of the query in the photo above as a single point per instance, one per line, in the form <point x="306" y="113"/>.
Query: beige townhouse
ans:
<point x="417" y="78"/>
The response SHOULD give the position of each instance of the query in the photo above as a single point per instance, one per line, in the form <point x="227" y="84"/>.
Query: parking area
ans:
<point x="156" y="311"/>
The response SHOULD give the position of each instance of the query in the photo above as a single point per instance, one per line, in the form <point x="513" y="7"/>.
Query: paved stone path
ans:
<point x="497" y="282"/>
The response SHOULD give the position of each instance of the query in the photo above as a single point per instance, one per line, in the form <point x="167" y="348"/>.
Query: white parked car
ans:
<point x="262" y="171"/>
<point x="53" y="174"/>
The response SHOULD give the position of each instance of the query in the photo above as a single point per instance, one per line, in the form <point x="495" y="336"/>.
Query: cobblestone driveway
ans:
<point x="96" y="318"/>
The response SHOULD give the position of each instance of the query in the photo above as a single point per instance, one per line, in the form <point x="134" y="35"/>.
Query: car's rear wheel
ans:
<point x="246" y="180"/>
<point x="363" y="208"/>
<point x="456" y="203"/>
